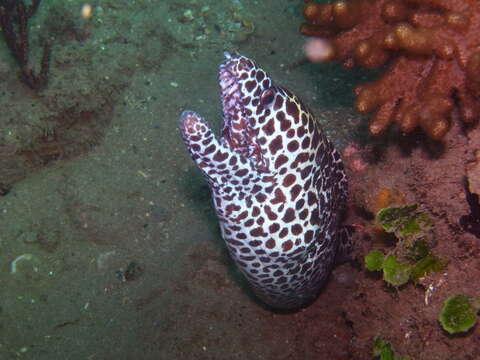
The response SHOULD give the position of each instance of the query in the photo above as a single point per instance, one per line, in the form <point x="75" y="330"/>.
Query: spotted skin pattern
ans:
<point x="278" y="185"/>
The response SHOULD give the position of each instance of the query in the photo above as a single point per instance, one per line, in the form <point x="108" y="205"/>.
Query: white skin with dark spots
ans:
<point x="278" y="185"/>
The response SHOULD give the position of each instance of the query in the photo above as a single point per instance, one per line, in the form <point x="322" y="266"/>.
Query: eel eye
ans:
<point x="267" y="97"/>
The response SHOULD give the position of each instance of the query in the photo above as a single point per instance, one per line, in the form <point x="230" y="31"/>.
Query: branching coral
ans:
<point x="433" y="53"/>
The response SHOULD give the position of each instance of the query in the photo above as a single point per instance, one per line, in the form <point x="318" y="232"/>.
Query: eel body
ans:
<point x="278" y="185"/>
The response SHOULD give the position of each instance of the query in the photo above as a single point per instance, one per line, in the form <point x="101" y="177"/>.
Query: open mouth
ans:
<point x="236" y="130"/>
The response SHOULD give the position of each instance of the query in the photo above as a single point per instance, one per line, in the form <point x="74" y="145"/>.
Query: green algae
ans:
<point x="394" y="272"/>
<point x="412" y="257"/>
<point x="374" y="260"/>
<point x="384" y="351"/>
<point x="405" y="222"/>
<point x="459" y="313"/>
<point x="429" y="263"/>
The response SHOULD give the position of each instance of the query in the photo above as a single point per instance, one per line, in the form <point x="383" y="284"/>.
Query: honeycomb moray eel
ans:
<point x="278" y="185"/>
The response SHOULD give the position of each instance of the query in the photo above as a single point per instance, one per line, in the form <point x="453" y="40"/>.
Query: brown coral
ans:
<point x="433" y="53"/>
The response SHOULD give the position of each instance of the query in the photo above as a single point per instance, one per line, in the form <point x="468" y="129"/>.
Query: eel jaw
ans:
<point x="237" y="131"/>
<point x="235" y="126"/>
